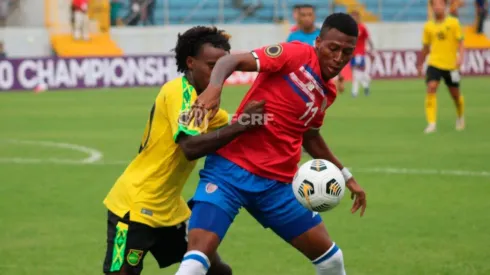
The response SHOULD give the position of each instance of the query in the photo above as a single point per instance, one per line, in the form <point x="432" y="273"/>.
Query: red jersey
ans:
<point x="296" y="96"/>
<point x="361" y="40"/>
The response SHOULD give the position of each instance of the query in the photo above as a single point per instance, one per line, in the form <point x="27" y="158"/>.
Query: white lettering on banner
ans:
<point x="78" y="70"/>
<point x="62" y="75"/>
<point x="22" y="72"/>
<point x="6" y="75"/>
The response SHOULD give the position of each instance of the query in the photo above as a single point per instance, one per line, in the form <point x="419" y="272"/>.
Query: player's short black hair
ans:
<point x="342" y="22"/>
<point x="308" y="6"/>
<point x="297" y="6"/>
<point x="190" y="42"/>
<point x="445" y="2"/>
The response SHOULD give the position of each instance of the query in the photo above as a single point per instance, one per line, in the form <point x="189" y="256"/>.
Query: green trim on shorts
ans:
<point x="119" y="247"/>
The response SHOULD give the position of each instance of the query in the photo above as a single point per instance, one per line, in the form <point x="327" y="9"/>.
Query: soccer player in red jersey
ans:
<point x="255" y="170"/>
<point x="358" y="63"/>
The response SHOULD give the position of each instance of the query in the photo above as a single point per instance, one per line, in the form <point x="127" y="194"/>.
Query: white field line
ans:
<point x="95" y="158"/>
<point x="93" y="155"/>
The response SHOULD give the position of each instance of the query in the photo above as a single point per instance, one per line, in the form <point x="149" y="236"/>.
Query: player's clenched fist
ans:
<point x="208" y="100"/>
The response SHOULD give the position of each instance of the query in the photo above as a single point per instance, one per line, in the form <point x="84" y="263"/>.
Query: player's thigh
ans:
<point x="127" y="245"/>
<point x="452" y="79"/>
<point x="278" y="209"/>
<point x="170" y="245"/>
<point x="216" y="202"/>
<point x="432" y="78"/>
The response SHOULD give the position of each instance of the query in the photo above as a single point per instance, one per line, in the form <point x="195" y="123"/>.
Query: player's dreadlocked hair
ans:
<point x="190" y="42"/>
<point x="342" y="22"/>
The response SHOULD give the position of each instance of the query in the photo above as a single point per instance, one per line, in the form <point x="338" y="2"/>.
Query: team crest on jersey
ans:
<point x="134" y="257"/>
<point x="273" y="50"/>
<point x="211" y="187"/>
<point x="184" y="118"/>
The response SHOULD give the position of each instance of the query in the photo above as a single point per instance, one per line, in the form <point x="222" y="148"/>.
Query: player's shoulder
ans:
<point x="451" y="20"/>
<point x="172" y="88"/>
<point x="428" y="24"/>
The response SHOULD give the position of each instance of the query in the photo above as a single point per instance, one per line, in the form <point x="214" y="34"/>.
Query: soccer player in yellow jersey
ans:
<point x="443" y="43"/>
<point x="146" y="210"/>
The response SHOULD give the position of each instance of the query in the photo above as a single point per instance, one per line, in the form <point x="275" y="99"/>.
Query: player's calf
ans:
<point x="207" y="227"/>
<point x="319" y="248"/>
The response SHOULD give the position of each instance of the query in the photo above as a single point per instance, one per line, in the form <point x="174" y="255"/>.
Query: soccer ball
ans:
<point x="319" y="185"/>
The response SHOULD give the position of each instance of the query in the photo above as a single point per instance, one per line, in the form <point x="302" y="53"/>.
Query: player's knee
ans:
<point x="331" y="262"/>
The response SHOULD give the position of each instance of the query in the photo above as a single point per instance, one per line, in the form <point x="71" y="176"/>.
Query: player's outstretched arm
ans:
<point x="227" y="64"/>
<point x="195" y="147"/>
<point x="315" y="145"/>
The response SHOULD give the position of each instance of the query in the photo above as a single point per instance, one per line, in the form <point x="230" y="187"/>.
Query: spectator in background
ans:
<point x="307" y="31"/>
<point x="149" y="13"/>
<point x="295" y="18"/>
<point x="2" y="52"/>
<point x="481" y="14"/>
<point x="115" y="8"/>
<point x="454" y="7"/>
<point x="4" y="8"/>
<point x="80" y="19"/>
<point x="134" y="15"/>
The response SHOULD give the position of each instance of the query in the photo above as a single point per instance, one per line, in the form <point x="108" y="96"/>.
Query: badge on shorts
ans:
<point x="211" y="187"/>
<point x="273" y="50"/>
<point x="134" y="257"/>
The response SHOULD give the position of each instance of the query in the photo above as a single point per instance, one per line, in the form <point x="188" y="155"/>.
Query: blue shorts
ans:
<point x="224" y="188"/>
<point x="358" y="61"/>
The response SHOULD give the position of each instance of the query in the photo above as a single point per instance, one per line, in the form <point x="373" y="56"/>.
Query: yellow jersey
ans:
<point x="150" y="187"/>
<point x="443" y="38"/>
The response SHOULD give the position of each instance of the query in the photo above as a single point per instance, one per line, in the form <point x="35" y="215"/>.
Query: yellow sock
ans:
<point x="431" y="108"/>
<point x="460" y="106"/>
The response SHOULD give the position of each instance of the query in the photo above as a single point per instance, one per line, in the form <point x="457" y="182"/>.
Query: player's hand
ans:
<point x="458" y="62"/>
<point x="420" y="69"/>
<point x="358" y="195"/>
<point x="207" y="101"/>
<point x="253" y="110"/>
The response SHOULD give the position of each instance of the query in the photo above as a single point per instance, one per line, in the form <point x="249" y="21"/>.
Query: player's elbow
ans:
<point x="189" y="149"/>
<point x="189" y="152"/>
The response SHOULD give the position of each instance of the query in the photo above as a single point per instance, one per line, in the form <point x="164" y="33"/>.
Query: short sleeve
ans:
<point x="426" y="36"/>
<point x="458" y="33"/>
<point x="285" y="57"/>
<point x="177" y="105"/>
<point x="220" y="120"/>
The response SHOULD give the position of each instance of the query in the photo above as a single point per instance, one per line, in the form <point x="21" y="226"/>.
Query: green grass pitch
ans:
<point x="428" y="205"/>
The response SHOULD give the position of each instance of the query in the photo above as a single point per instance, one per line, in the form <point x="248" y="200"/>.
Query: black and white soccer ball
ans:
<point x="319" y="185"/>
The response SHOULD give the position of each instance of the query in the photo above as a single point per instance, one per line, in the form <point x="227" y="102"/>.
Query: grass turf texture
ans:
<point x="52" y="220"/>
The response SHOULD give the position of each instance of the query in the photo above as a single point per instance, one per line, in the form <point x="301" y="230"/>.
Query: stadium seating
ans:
<point x="207" y="11"/>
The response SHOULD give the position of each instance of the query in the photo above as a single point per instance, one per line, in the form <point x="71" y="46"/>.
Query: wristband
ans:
<point x="346" y="173"/>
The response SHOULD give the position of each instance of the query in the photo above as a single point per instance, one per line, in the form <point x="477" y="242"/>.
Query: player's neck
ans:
<point x="440" y="18"/>
<point x="308" y="29"/>
<point x="190" y="78"/>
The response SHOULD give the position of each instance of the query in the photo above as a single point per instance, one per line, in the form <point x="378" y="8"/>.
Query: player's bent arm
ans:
<point x="195" y="147"/>
<point x="315" y="145"/>
<point x="423" y="54"/>
<point x="227" y="64"/>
